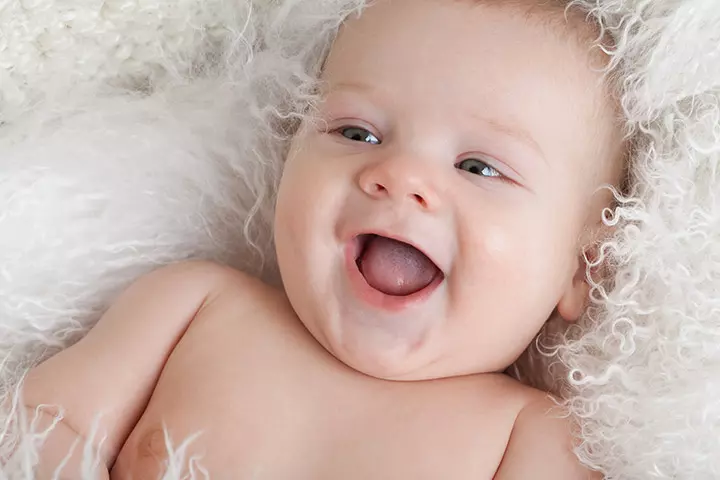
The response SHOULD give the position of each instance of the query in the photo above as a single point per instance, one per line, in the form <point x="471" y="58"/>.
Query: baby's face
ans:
<point x="468" y="133"/>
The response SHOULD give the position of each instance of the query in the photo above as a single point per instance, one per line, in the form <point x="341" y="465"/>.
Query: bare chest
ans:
<point x="260" y="402"/>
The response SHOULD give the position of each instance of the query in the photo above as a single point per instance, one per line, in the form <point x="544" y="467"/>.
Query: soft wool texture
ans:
<point x="138" y="133"/>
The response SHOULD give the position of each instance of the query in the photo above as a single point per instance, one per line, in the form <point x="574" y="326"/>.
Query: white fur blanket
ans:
<point x="138" y="133"/>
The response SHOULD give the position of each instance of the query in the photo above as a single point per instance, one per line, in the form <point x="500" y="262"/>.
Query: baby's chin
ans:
<point x="383" y="369"/>
<point x="385" y="359"/>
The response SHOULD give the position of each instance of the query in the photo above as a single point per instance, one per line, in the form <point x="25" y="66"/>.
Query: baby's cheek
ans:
<point x="490" y="261"/>
<point x="516" y="256"/>
<point x="497" y="244"/>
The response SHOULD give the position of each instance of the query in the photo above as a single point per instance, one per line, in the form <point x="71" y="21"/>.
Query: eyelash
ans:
<point x="486" y="165"/>
<point x="355" y="127"/>
<point x="497" y="174"/>
<point x="339" y="131"/>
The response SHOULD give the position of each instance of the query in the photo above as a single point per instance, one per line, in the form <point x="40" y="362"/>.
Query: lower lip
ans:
<point x="375" y="298"/>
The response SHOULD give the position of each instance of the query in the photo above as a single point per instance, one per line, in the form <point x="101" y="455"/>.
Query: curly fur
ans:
<point x="139" y="133"/>
<point x="646" y="365"/>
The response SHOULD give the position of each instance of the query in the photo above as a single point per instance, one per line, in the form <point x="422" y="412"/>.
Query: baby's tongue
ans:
<point x="395" y="268"/>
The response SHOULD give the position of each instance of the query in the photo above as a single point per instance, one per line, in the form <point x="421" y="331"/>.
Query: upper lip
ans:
<point x="400" y="238"/>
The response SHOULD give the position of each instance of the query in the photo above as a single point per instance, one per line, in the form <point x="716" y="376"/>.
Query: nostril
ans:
<point x="377" y="188"/>
<point x="419" y="199"/>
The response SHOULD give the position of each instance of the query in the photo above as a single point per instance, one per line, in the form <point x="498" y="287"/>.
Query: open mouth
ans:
<point x="393" y="267"/>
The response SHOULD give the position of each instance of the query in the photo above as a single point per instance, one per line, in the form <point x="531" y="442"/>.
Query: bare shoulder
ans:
<point x="234" y="301"/>
<point x="198" y="272"/>
<point x="237" y="304"/>
<point x="215" y="279"/>
<point x="541" y="445"/>
<point x="235" y="292"/>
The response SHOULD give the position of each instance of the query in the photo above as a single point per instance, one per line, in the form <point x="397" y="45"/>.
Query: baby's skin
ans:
<point x="434" y="212"/>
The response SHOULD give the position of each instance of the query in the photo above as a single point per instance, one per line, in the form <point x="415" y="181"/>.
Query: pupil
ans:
<point x="475" y="169"/>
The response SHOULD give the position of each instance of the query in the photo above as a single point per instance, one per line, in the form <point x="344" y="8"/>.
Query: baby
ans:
<point x="433" y="214"/>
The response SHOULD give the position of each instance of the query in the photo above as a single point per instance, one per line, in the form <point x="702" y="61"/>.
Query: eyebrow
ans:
<point x="510" y="129"/>
<point x="513" y="131"/>
<point x="357" y="87"/>
<point x="333" y="87"/>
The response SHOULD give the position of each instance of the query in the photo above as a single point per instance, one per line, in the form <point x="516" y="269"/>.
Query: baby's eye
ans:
<point x="359" y="134"/>
<point x="478" y="167"/>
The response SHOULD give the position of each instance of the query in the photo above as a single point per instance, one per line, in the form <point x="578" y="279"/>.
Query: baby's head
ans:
<point x="476" y="131"/>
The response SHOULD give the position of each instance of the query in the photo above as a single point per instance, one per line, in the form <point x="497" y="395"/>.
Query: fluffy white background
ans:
<point x="134" y="133"/>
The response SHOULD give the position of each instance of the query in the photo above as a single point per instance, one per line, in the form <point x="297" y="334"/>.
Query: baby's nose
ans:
<point x="400" y="179"/>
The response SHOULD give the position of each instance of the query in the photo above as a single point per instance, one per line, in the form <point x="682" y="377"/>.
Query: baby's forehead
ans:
<point x="395" y="27"/>
<point x="560" y="16"/>
<point x="440" y="36"/>
<point x="563" y="18"/>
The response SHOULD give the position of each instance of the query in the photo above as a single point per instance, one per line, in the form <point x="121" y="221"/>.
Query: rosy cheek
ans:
<point x="497" y="243"/>
<point x="485" y="255"/>
<point x="498" y="256"/>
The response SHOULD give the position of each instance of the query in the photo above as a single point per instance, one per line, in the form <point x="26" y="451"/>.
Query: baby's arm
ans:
<point x="114" y="369"/>
<point x="540" y="448"/>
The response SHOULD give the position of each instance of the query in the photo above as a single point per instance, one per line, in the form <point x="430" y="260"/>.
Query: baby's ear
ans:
<point x="575" y="298"/>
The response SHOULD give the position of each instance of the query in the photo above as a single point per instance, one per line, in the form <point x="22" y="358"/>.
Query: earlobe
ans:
<point x="575" y="298"/>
